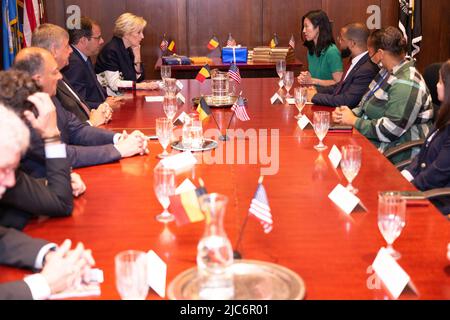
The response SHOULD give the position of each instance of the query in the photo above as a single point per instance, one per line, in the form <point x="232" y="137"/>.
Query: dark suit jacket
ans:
<point x="352" y="89"/>
<point x="70" y="102"/>
<point x="32" y="197"/>
<point x="17" y="250"/>
<point x="86" y="145"/>
<point x="115" y="57"/>
<point x="83" y="80"/>
<point x="431" y="167"/>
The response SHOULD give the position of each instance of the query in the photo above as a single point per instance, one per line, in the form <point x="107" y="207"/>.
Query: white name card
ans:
<point x="389" y="271"/>
<point x="303" y="122"/>
<point x="181" y="119"/>
<point x="179" y="85"/>
<point x="180" y="98"/>
<point x="179" y="162"/>
<point x="154" y="99"/>
<point x="290" y="100"/>
<point x="186" y="186"/>
<point x="276" y="99"/>
<point x="344" y="199"/>
<point x="156" y="273"/>
<point x="335" y="156"/>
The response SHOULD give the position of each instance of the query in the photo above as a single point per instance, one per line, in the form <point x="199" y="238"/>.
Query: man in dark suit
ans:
<point x="32" y="197"/>
<point x="56" y="40"/>
<point x="355" y="81"/>
<point x="86" y="42"/>
<point x="86" y="145"/>
<point x="60" y="266"/>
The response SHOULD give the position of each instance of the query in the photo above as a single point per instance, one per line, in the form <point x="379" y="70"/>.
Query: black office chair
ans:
<point x="390" y="153"/>
<point x="431" y="77"/>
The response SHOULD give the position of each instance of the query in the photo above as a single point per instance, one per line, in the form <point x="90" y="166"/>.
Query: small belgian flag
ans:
<point x="171" y="46"/>
<point x="203" y="109"/>
<point x="204" y="73"/>
<point x="213" y="43"/>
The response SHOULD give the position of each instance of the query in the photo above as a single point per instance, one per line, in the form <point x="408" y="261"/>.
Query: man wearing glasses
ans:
<point x="86" y="43"/>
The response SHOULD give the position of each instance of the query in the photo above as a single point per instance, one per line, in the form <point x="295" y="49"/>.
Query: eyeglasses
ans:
<point x="97" y="38"/>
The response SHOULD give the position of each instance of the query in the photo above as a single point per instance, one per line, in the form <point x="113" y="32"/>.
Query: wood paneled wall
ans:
<point x="191" y="23"/>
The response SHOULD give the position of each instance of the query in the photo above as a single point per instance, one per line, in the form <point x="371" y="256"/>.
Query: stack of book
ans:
<point x="267" y="54"/>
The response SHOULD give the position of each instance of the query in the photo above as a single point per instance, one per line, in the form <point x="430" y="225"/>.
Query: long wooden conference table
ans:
<point x="331" y="251"/>
<point x="250" y="69"/>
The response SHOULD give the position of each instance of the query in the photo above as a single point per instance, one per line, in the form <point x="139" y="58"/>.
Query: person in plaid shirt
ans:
<point x="397" y="107"/>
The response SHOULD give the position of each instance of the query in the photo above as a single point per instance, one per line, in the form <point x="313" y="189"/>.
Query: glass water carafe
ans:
<point x="220" y="87"/>
<point x="214" y="252"/>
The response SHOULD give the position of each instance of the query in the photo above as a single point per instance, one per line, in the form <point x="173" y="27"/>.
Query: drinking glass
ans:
<point x="391" y="218"/>
<point x="300" y="96"/>
<point x="350" y="164"/>
<point x="170" y="105"/>
<point x="196" y="134"/>
<point x="166" y="72"/>
<point x="170" y="86"/>
<point x="281" y="69"/>
<point x="131" y="274"/>
<point x="164" y="186"/>
<point x="321" y="125"/>
<point x="164" y="133"/>
<point x="288" y="81"/>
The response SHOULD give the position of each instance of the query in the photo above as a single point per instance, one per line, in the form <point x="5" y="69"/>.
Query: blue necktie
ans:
<point x="99" y="87"/>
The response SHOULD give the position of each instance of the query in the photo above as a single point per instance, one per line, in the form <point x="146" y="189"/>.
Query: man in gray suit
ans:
<point x="61" y="266"/>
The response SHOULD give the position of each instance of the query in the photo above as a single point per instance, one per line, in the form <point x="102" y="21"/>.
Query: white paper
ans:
<point x="156" y="273"/>
<point x="181" y="117"/>
<point x="186" y="186"/>
<point x="335" y="156"/>
<point x="179" y="85"/>
<point x="344" y="199"/>
<point x="290" y="100"/>
<point x="389" y="271"/>
<point x="181" y="98"/>
<point x="179" y="162"/>
<point x="276" y="99"/>
<point x="303" y="122"/>
<point x="154" y="99"/>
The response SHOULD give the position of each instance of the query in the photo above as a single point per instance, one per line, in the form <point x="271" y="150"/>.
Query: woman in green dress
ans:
<point x="324" y="58"/>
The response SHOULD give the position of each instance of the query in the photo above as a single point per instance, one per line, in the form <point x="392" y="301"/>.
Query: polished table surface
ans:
<point x="247" y="70"/>
<point x="330" y="250"/>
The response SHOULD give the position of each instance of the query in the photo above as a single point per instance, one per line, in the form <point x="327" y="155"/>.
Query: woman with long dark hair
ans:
<point x="431" y="168"/>
<point x="324" y="58"/>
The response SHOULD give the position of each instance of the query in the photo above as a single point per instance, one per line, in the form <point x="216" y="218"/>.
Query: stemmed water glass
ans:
<point x="300" y="96"/>
<point x="281" y="70"/>
<point x="321" y="125"/>
<point x="350" y="164"/>
<point x="170" y="106"/>
<point x="170" y="86"/>
<point x="288" y="81"/>
<point x="164" y="186"/>
<point x="391" y="218"/>
<point x="166" y="72"/>
<point x="164" y="134"/>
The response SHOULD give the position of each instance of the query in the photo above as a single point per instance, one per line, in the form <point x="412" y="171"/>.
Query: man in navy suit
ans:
<point x="355" y="81"/>
<point x="86" y="43"/>
<point x="86" y="145"/>
<point x="56" y="40"/>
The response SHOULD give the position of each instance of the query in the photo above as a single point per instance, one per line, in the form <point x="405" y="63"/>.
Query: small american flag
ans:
<point x="164" y="44"/>
<point x="261" y="210"/>
<point x="234" y="73"/>
<point x="292" y="42"/>
<point x="231" y="42"/>
<point x="239" y="109"/>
